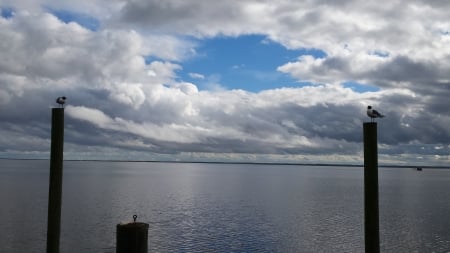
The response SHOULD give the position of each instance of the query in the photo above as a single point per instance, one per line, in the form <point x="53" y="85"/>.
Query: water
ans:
<point x="223" y="207"/>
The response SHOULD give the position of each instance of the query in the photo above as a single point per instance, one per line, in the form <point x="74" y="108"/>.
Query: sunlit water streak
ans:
<point x="223" y="207"/>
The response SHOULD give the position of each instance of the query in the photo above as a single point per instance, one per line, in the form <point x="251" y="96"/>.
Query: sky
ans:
<point x="241" y="81"/>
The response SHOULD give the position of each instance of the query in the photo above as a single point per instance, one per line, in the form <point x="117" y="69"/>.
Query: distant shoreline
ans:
<point x="249" y="163"/>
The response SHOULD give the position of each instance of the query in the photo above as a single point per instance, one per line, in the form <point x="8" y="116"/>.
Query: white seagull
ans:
<point x="372" y="113"/>
<point x="61" y="101"/>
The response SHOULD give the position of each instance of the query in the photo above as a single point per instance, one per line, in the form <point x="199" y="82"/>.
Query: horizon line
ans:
<point x="237" y="162"/>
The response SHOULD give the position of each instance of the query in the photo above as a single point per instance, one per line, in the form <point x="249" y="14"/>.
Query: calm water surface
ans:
<point x="223" y="207"/>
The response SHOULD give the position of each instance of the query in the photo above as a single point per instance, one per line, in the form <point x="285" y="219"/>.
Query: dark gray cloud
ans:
<point x="190" y="17"/>
<point x="403" y="69"/>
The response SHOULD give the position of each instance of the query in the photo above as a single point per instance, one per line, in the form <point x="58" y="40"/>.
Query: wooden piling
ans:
<point x="371" y="210"/>
<point x="55" y="183"/>
<point x="132" y="237"/>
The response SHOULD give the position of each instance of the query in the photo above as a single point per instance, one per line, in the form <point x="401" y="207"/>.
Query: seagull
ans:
<point x="372" y="113"/>
<point x="61" y="101"/>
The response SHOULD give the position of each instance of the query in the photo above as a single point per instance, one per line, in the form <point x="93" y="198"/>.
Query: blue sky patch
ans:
<point x="82" y="19"/>
<point x="6" y="12"/>
<point x="245" y="62"/>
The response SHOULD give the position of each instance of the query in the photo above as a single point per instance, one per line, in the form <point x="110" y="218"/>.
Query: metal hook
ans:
<point x="134" y="218"/>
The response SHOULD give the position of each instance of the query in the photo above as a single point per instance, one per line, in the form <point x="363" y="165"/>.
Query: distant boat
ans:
<point x="419" y="168"/>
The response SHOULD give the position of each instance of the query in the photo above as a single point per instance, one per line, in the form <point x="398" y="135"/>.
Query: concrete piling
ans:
<point x="55" y="183"/>
<point x="371" y="210"/>
<point x="132" y="237"/>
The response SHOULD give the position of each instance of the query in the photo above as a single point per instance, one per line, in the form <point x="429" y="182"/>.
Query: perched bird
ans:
<point x="372" y="113"/>
<point x="61" y="101"/>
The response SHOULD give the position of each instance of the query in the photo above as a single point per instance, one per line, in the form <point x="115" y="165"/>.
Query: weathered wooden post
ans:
<point x="55" y="184"/>
<point x="371" y="216"/>
<point x="132" y="237"/>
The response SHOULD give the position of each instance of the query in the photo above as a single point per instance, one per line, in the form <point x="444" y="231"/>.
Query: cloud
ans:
<point x="197" y="76"/>
<point x="129" y="94"/>
<point x="186" y="88"/>
<point x="169" y="47"/>
<point x="93" y="116"/>
<point x="169" y="132"/>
